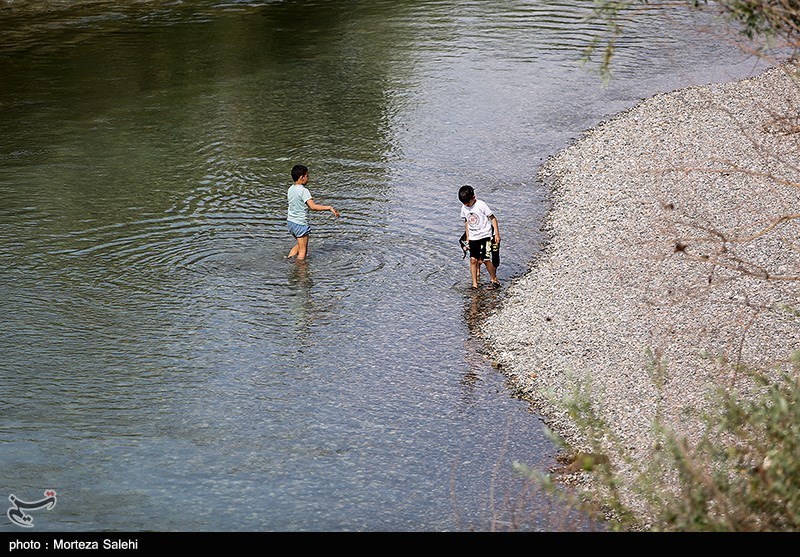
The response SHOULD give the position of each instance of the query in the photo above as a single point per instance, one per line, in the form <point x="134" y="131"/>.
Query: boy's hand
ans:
<point x="335" y="212"/>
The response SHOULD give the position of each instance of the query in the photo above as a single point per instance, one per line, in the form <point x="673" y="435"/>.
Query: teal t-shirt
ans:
<point x="298" y="210"/>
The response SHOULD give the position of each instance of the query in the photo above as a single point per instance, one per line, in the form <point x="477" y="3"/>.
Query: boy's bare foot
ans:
<point x="493" y="285"/>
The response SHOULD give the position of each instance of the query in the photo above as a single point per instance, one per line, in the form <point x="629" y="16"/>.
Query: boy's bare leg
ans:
<point x="302" y="247"/>
<point x="492" y="270"/>
<point x="474" y="271"/>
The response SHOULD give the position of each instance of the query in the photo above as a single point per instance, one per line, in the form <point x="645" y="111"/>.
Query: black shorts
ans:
<point x="480" y="249"/>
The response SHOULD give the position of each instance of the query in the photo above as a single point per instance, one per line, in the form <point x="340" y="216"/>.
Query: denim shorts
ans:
<point x="298" y="230"/>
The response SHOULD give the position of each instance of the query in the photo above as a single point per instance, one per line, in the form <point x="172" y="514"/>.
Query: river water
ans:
<point x="164" y="367"/>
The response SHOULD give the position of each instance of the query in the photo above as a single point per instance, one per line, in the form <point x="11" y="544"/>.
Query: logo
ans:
<point x="17" y="513"/>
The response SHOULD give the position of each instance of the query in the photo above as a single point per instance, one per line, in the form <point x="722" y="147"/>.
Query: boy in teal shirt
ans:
<point x="300" y="201"/>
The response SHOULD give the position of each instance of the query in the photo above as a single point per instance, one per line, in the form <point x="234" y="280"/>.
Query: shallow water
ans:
<point x="166" y="368"/>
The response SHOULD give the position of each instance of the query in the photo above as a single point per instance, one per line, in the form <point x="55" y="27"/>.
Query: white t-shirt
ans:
<point x="298" y="210"/>
<point x="477" y="218"/>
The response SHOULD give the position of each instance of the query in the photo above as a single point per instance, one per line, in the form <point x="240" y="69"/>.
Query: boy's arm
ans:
<point x="496" y="226"/>
<point x="466" y="229"/>
<point x="317" y="207"/>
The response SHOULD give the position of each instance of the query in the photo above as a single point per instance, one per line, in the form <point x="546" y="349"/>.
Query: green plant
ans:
<point x="601" y="498"/>
<point x="742" y="475"/>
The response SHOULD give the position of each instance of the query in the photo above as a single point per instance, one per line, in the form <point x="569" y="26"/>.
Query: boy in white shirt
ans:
<point x="481" y="229"/>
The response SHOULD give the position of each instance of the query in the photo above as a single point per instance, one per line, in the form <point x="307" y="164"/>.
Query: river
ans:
<point x="166" y="368"/>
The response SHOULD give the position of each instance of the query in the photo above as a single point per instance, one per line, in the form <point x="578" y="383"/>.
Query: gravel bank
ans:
<point x="651" y="249"/>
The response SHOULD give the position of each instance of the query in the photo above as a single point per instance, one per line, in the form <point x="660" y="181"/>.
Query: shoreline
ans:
<point x="670" y="258"/>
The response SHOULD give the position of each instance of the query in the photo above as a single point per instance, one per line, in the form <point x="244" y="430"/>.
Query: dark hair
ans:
<point x="465" y="194"/>
<point x="298" y="171"/>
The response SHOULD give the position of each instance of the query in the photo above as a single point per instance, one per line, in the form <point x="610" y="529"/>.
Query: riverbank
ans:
<point x="674" y="245"/>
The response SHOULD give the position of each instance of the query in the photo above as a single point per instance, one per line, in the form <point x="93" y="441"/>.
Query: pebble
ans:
<point x="651" y="259"/>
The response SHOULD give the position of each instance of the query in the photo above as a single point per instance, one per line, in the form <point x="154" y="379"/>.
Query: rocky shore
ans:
<point x="673" y="260"/>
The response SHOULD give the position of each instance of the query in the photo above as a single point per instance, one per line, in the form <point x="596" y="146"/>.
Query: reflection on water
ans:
<point x="159" y="350"/>
<point x="301" y="304"/>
